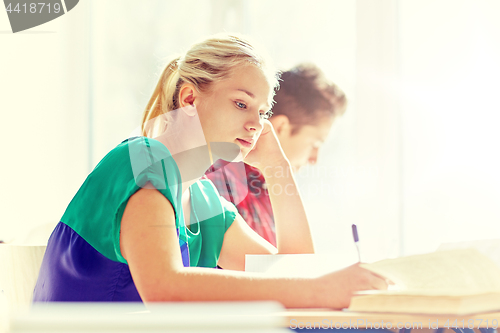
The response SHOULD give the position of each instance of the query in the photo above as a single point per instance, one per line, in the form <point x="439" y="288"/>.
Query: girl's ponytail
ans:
<point x="163" y="98"/>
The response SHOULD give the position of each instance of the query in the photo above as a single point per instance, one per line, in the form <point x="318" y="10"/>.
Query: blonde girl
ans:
<point x="155" y="232"/>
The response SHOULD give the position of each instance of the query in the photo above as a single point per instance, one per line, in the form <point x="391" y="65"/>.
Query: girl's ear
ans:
<point x="281" y="125"/>
<point x="187" y="95"/>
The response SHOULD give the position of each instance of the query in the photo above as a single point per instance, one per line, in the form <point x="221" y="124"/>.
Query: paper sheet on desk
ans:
<point x="488" y="247"/>
<point x="462" y="269"/>
<point x="297" y="265"/>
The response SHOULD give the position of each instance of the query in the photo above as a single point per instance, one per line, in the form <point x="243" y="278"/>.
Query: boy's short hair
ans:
<point x="305" y="96"/>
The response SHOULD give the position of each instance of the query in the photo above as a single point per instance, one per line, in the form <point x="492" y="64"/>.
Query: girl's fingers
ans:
<point x="379" y="283"/>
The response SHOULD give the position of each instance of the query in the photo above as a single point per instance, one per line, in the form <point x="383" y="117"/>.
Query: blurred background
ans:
<point x="413" y="162"/>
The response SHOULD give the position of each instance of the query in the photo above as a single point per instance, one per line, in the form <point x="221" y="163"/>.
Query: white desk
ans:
<point x="326" y="317"/>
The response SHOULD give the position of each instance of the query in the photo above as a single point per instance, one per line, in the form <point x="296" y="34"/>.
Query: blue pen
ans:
<point x="356" y="240"/>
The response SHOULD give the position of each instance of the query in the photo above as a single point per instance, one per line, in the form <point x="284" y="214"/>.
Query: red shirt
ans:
<point x="245" y="187"/>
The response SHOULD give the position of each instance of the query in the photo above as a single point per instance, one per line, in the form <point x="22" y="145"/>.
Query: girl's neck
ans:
<point x="192" y="162"/>
<point x="181" y="132"/>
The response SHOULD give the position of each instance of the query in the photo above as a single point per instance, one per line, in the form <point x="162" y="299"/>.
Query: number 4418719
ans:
<point x="471" y="323"/>
<point x="34" y="8"/>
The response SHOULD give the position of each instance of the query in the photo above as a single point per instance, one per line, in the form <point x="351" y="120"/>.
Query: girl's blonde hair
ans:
<point x="208" y="61"/>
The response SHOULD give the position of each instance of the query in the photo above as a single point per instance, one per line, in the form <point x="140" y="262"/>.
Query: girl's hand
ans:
<point x="338" y="287"/>
<point x="267" y="152"/>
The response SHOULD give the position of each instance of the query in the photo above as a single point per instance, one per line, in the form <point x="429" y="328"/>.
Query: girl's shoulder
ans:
<point x="140" y="147"/>
<point x="142" y="158"/>
<point x="139" y="151"/>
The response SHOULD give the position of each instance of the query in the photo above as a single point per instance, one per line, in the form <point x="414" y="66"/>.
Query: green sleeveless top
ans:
<point x="96" y="210"/>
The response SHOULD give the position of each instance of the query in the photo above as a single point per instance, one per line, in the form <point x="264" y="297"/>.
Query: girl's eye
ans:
<point x="241" y="105"/>
<point x="266" y="115"/>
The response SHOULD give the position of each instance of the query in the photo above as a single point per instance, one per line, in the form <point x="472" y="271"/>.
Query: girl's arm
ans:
<point x="148" y="241"/>
<point x="293" y="234"/>
<point x="240" y="240"/>
<point x="292" y="228"/>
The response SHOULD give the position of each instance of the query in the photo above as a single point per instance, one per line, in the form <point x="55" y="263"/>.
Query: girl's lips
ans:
<point x="245" y="143"/>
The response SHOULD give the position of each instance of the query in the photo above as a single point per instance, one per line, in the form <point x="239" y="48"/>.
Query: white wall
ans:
<point x="450" y="67"/>
<point x="43" y="108"/>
